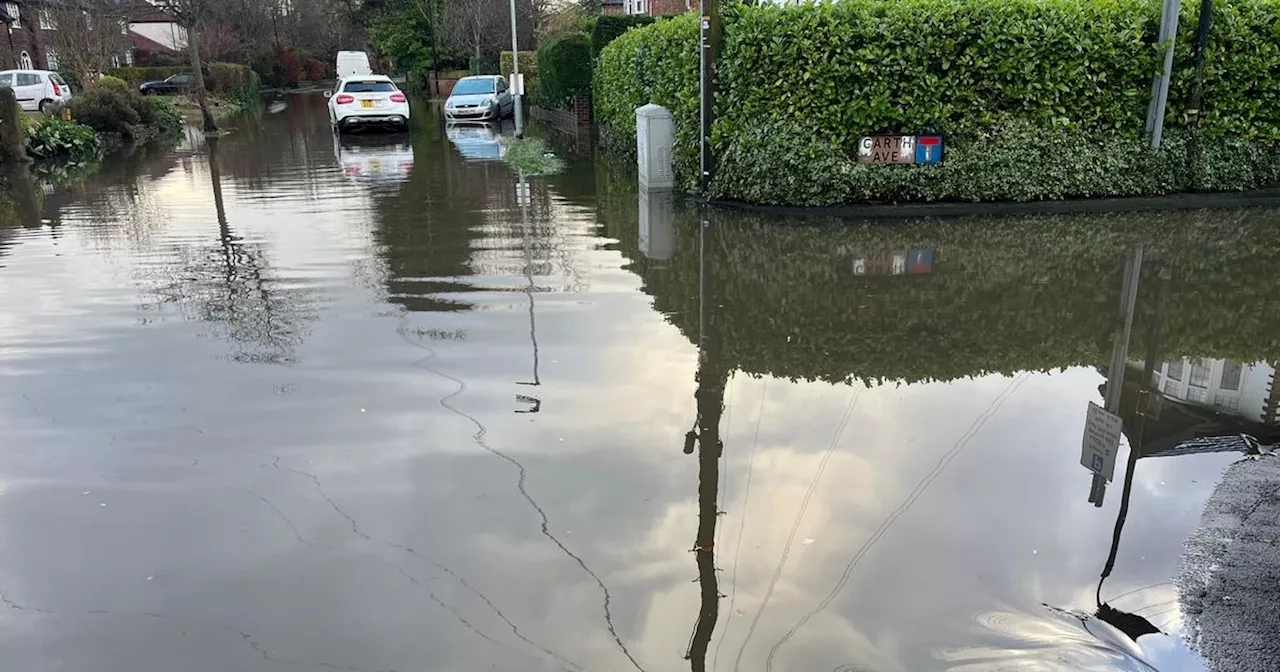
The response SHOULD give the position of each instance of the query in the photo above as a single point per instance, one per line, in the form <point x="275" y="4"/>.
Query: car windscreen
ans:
<point x="468" y="87"/>
<point x="369" y="87"/>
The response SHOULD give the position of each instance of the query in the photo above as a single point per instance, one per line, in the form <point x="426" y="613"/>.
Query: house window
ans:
<point x="51" y="59"/>
<point x="115" y="60"/>
<point x="124" y="27"/>
<point x="24" y="60"/>
<point x="1231" y="372"/>
<point x="12" y="9"/>
<point x="128" y="58"/>
<point x="1227" y="402"/>
<point x="1200" y="373"/>
<point x="1175" y="370"/>
<point x="1171" y="388"/>
<point x="1197" y="394"/>
<point x="47" y="22"/>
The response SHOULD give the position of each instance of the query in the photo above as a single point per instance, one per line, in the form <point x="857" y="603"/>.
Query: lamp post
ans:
<point x="515" y="74"/>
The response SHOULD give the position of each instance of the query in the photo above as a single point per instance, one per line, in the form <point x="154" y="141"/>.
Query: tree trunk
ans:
<point x="193" y="45"/>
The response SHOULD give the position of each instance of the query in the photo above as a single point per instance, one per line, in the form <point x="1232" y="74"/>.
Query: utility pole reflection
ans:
<point x="712" y="378"/>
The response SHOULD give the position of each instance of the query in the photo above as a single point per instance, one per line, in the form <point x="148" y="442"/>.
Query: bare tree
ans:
<point x="84" y="34"/>
<point x="194" y="15"/>
<point x="477" y="26"/>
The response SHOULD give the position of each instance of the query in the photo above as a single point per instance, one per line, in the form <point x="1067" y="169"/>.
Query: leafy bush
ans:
<point x="279" y="68"/>
<point x="564" y="69"/>
<point x="608" y="28"/>
<point x="106" y="110"/>
<point x="786" y="164"/>
<point x="528" y="67"/>
<point x="314" y="69"/>
<point x="124" y="112"/>
<point x="654" y="64"/>
<point x="959" y="67"/>
<point x="233" y="79"/>
<point x="167" y="117"/>
<point x="53" y="137"/>
<point x="532" y="156"/>
<point x="108" y="80"/>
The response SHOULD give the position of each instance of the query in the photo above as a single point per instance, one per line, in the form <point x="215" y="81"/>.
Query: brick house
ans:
<point x="23" y="48"/>
<point x="649" y="7"/>
<point x="30" y="33"/>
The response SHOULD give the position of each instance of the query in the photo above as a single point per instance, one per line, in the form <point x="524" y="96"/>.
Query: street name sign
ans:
<point x="920" y="150"/>
<point x="1101" y="441"/>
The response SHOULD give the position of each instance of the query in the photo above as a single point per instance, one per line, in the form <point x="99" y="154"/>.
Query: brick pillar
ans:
<point x="582" y="109"/>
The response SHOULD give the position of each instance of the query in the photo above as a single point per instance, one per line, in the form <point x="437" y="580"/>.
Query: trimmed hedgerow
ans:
<point x="564" y="69"/>
<point x="608" y="28"/>
<point x="782" y="163"/>
<point x="1077" y="72"/>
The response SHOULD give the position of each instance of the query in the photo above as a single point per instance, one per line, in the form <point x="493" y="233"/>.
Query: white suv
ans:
<point x="37" y="90"/>
<point x="365" y="101"/>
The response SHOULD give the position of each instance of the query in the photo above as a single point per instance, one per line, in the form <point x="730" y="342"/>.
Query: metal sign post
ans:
<point x="1160" y="86"/>
<point x="709" y="46"/>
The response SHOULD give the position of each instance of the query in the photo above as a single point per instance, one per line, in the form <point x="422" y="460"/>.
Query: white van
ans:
<point x="353" y="64"/>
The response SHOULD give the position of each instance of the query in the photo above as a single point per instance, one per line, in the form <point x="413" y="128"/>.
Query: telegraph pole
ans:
<point x="709" y="49"/>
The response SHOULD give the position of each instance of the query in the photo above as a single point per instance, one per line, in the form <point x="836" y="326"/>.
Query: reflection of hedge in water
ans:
<point x="1006" y="295"/>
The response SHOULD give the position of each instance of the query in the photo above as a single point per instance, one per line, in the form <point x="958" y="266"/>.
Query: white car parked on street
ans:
<point x="367" y="101"/>
<point x="36" y="90"/>
<point x="481" y="98"/>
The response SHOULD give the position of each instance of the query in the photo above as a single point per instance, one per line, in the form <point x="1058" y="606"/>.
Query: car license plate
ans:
<point x="366" y="103"/>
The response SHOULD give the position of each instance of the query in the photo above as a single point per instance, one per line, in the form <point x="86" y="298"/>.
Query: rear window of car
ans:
<point x="57" y="79"/>
<point x="369" y="87"/>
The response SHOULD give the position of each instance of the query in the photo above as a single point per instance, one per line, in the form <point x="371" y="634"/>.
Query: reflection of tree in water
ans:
<point x="231" y="287"/>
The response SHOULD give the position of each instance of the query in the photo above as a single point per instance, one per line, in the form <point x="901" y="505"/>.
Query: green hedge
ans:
<point x="564" y="69"/>
<point x="659" y="64"/>
<point x="609" y="28"/>
<point x="958" y="67"/>
<point x="785" y="164"/>
<point x="528" y="67"/>
<point x="230" y="79"/>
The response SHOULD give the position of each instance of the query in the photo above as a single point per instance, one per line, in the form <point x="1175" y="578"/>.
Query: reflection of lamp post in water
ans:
<point x="712" y="379"/>
<point x="1131" y="624"/>
<point x="1115" y="373"/>
<point x="524" y="197"/>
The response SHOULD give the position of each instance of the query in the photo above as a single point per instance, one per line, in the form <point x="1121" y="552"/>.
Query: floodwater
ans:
<point x="285" y="403"/>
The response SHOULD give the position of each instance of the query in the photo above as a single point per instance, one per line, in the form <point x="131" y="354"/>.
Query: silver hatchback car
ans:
<point x="483" y="98"/>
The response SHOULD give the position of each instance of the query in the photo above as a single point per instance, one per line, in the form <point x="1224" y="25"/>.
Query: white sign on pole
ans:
<point x="517" y="84"/>
<point x="1102" y="431"/>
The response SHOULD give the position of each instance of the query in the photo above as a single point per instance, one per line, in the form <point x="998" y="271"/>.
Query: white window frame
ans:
<point x="25" y="62"/>
<point x="47" y="22"/>
<point x="51" y="59"/>
<point x="12" y="9"/>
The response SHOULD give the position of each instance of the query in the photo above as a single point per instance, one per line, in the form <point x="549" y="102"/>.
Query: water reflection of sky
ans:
<point x="375" y="502"/>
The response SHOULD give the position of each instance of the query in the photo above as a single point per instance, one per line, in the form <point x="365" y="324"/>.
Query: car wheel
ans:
<point x="45" y="106"/>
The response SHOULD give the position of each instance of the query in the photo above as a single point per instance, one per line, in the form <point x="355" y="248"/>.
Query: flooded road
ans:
<point x="287" y="403"/>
